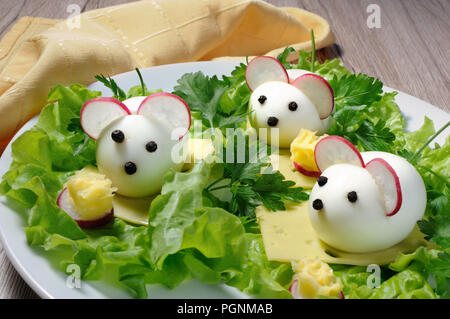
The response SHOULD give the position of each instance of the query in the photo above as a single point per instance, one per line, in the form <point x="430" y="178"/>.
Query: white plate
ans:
<point x="36" y="266"/>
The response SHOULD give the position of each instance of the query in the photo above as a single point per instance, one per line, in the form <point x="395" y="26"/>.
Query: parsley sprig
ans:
<point x="250" y="181"/>
<point x="217" y="103"/>
<point x="118" y="93"/>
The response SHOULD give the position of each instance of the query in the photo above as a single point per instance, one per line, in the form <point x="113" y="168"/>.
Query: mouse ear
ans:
<point x="388" y="182"/>
<point x="98" y="113"/>
<point x="318" y="90"/>
<point x="334" y="150"/>
<point x="264" y="69"/>
<point x="169" y="108"/>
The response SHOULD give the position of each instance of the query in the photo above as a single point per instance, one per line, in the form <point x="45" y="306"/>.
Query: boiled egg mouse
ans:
<point x="138" y="140"/>
<point x="364" y="202"/>
<point x="287" y="100"/>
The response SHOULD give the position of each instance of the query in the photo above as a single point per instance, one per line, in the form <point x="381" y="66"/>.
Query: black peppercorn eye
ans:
<point x="352" y="197"/>
<point x="117" y="136"/>
<point x="262" y="99"/>
<point x="151" y="146"/>
<point x="322" y="180"/>
<point x="130" y="168"/>
<point x="293" y="106"/>
<point x="317" y="204"/>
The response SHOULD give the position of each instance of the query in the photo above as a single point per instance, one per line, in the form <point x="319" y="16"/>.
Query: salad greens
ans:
<point x="372" y="120"/>
<point x="242" y="180"/>
<point x="203" y="224"/>
<point x="188" y="236"/>
<point x="216" y="103"/>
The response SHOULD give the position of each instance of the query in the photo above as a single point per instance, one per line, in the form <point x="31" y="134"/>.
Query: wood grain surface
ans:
<point x="408" y="52"/>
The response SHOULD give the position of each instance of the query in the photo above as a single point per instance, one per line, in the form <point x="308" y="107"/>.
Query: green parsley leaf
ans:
<point x="204" y="94"/>
<point x="356" y="89"/>
<point x="249" y="178"/>
<point x="118" y="93"/>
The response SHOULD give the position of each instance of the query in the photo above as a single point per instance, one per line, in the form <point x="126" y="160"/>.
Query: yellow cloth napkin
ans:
<point x="38" y="53"/>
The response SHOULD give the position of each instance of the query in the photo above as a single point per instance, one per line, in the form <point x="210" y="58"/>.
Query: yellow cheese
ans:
<point x="90" y="192"/>
<point x="133" y="210"/>
<point x="289" y="236"/>
<point x="282" y="161"/>
<point x="316" y="278"/>
<point x="302" y="149"/>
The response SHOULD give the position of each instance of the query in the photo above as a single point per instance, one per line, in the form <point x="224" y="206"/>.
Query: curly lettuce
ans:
<point x="192" y="234"/>
<point x="187" y="237"/>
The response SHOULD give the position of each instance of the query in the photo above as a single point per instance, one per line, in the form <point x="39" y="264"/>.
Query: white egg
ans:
<point x="133" y="103"/>
<point x="362" y="226"/>
<point x="295" y="73"/>
<point x="270" y="103"/>
<point x="150" y="166"/>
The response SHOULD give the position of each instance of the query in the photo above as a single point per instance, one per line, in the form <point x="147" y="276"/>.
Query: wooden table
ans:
<point x="408" y="52"/>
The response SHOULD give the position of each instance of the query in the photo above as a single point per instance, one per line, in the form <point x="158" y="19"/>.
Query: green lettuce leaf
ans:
<point x="195" y="234"/>
<point x="212" y="242"/>
<point x="260" y="277"/>
<point x="407" y="284"/>
<point x="432" y="264"/>
<point x="43" y="158"/>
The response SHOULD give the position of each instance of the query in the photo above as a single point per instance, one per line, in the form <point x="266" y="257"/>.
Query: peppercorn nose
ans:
<point x="272" y="121"/>
<point x="317" y="204"/>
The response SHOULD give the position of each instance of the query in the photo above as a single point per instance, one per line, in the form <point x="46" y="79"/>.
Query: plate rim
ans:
<point x="20" y="265"/>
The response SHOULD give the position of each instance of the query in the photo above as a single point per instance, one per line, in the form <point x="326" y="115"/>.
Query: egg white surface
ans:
<point x="279" y="95"/>
<point x="151" y="166"/>
<point x="413" y="192"/>
<point x="133" y="103"/>
<point x="295" y="73"/>
<point x="363" y="226"/>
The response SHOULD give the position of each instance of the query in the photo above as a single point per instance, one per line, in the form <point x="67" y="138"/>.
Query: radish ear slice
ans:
<point x="388" y="182"/>
<point x="334" y="150"/>
<point x="98" y="113"/>
<point x="317" y="89"/>
<point x="264" y="69"/>
<point x="169" y="108"/>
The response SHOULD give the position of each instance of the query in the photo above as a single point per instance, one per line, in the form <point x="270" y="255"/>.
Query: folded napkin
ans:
<point x="38" y="53"/>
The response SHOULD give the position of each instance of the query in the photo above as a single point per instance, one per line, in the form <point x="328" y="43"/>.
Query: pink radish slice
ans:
<point x="305" y="171"/>
<point x="293" y="289"/>
<point x="98" y="113"/>
<point x="334" y="150"/>
<point x="169" y="108"/>
<point x="264" y="69"/>
<point x="66" y="205"/>
<point x="388" y="182"/>
<point x="317" y="89"/>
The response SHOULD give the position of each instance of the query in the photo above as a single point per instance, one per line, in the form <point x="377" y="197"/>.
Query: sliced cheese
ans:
<point x="289" y="236"/>
<point x="282" y="161"/>
<point x="133" y="210"/>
